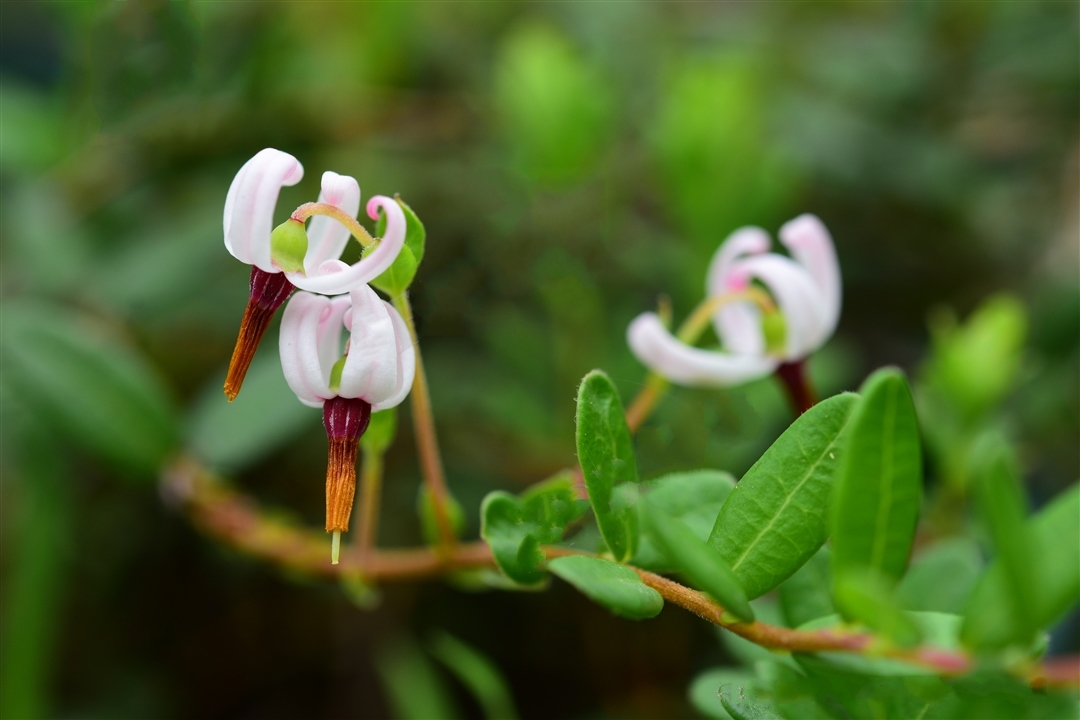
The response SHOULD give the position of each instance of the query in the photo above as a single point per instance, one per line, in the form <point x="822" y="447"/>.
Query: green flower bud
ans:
<point x="288" y="246"/>
<point x="774" y="327"/>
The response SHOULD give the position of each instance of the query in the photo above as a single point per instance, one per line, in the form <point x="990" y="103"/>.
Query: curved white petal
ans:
<point x="738" y="324"/>
<point x="327" y="237"/>
<point x="371" y="367"/>
<point x="299" y="346"/>
<point x="811" y="245"/>
<point x="406" y="355"/>
<point x="663" y="353"/>
<point x="797" y="297"/>
<point x="370" y="267"/>
<point x="249" y="205"/>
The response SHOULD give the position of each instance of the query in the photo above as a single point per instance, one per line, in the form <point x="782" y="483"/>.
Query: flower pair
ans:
<point x="805" y="286"/>
<point x="374" y="368"/>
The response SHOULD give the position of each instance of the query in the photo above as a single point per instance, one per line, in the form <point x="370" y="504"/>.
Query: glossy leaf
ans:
<point x="879" y="481"/>
<point x="616" y="587"/>
<point x="516" y="528"/>
<point x="698" y="561"/>
<point x="476" y="672"/>
<point x="89" y="387"/>
<point x="807" y="594"/>
<point x="606" y="453"/>
<point x="942" y="577"/>
<point x="693" y="498"/>
<point x="775" y="518"/>
<point x="397" y="278"/>
<point x="988" y="621"/>
<point x="229" y="436"/>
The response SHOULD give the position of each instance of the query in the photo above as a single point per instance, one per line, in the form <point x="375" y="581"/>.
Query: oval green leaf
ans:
<point x="698" y="561"/>
<point x="879" y="482"/>
<point x="774" y="519"/>
<point x="88" y="386"/>
<point x="397" y="278"/>
<point x="606" y="453"/>
<point x="693" y="498"/>
<point x="616" y="587"/>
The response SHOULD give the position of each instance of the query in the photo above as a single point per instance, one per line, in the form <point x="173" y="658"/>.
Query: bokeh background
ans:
<point x="572" y="162"/>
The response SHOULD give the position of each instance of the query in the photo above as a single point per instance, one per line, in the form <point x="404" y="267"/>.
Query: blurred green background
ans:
<point x="572" y="162"/>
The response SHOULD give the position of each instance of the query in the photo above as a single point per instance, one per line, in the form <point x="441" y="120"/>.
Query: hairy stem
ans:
<point x="305" y="211"/>
<point x="426" y="441"/>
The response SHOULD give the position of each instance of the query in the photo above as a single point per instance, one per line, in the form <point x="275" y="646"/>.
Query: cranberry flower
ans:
<point x="289" y="256"/>
<point x="372" y="371"/>
<point x="806" y="287"/>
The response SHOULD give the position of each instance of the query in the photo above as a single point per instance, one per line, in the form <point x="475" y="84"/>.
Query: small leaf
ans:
<point x="774" y="519"/>
<point x="698" y="561"/>
<point x="879" y="481"/>
<point x="742" y="707"/>
<point x="476" y="672"/>
<point x="989" y="621"/>
<point x="863" y="595"/>
<point x="606" y="453"/>
<point x="807" y="594"/>
<point x="87" y="386"/>
<point x="412" y="685"/>
<point x="693" y="498"/>
<point x="429" y="525"/>
<point x="941" y="578"/>
<point x="230" y="436"/>
<point x="380" y="432"/>
<point x="516" y="528"/>
<point x="397" y="278"/>
<point x="616" y="587"/>
<point x="706" y="688"/>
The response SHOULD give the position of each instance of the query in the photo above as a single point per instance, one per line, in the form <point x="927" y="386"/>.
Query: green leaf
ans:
<point x="380" y="432"/>
<point x="807" y="594"/>
<point x="693" y="498"/>
<point x="743" y="707"/>
<point x="88" y="386"/>
<point x="879" y="481"/>
<point x="516" y="528"/>
<point x="774" y="519"/>
<point x="476" y="672"/>
<point x="397" y="278"/>
<point x="941" y="578"/>
<point x="616" y="587"/>
<point x="429" y="525"/>
<point x="1003" y="510"/>
<point x="412" y="685"/>
<point x="989" y="621"/>
<point x="698" y="561"/>
<point x="229" y="436"/>
<point x="861" y="594"/>
<point x="606" y="453"/>
<point x="706" y="688"/>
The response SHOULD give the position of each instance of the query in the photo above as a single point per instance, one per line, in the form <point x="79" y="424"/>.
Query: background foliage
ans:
<point x="571" y="162"/>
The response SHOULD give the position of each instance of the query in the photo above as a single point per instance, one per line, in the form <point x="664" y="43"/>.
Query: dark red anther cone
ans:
<point x="801" y="394"/>
<point x="268" y="292"/>
<point x="345" y="420"/>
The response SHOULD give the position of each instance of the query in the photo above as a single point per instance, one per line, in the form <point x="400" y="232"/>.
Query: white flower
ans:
<point x="380" y="361"/>
<point x="806" y="288"/>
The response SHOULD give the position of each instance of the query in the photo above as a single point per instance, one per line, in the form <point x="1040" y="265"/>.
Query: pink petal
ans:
<point x="249" y="205"/>
<point x="669" y="357"/>
<point x="406" y="355"/>
<point x="369" y="267"/>
<point x="811" y="245"/>
<point x="797" y="297"/>
<point x="371" y="367"/>
<point x="299" y="345"/>
<point x="738" y="324"/>
<point x="327" y="237"/>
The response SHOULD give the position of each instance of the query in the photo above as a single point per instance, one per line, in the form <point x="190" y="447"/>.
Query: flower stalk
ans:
<point x="308" y="210"/>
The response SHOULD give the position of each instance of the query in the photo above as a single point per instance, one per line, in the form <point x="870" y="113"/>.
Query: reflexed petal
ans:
<point x="369" y="267"/>
<point x="249" y="205"/>
<point x="744" y="241"/>
<point x="406" y="355"/>
<point x="738" y="324"/>
<point x="811" y="245"/>
<point x="371" y="367"/>
<point x="669" y="357"/>
<point x="797" y="297"/>
<point x="299" y="345"/>
<point x="327" y="237"/>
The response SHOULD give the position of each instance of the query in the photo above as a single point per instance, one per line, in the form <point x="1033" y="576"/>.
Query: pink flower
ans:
<point x="806" y="287"/>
